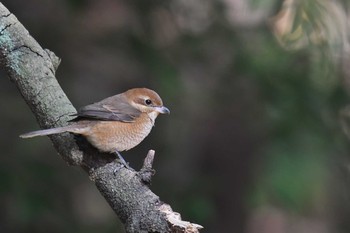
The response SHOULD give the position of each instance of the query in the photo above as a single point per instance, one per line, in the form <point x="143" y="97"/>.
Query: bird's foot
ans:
<point x="117" y="169"/>
<point x="122" y="162"/>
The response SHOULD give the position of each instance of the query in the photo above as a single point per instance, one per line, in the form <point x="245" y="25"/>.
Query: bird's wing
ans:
<point x="114" y="108"/>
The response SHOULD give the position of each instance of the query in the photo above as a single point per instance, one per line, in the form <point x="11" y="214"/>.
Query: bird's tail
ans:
<point x="46" y="132"/>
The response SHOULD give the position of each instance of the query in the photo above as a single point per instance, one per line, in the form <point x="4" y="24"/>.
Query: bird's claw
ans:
<point x="123" y="164"/>
<point x="117" y="169"/>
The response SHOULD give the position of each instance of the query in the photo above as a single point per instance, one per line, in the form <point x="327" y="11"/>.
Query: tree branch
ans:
<point x="32" y="70"/>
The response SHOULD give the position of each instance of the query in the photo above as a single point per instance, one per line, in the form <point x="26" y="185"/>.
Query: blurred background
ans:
<point x="254" y="142"/>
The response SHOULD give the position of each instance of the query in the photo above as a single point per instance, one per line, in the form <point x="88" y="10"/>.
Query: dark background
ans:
<point x="253" y="143"/>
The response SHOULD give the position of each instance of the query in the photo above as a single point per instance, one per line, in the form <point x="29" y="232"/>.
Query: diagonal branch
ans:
<point x="32" y="70"/>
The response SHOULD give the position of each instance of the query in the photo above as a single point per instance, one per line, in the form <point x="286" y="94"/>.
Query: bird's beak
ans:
<point x="163" y="110"/>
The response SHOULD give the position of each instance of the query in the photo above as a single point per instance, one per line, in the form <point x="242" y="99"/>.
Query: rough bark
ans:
<point x="32" y="70"/>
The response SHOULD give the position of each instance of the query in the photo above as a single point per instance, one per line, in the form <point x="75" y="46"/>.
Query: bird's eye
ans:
<point x="148" y="101"/>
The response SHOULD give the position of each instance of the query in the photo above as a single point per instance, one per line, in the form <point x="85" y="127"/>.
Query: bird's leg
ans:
<point x="122" y="160"/>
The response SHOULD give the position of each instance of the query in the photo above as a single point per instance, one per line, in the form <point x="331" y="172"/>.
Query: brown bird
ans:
<point x="117" y="123"/>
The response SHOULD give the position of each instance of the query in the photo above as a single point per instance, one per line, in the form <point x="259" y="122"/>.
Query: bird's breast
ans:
<point x="111" y="136"/>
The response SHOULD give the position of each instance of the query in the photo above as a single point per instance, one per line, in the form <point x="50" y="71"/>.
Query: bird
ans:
<point x="115" y="124"/>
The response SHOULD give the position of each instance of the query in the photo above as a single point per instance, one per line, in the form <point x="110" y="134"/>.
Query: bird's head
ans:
<point x="147" y="101"/>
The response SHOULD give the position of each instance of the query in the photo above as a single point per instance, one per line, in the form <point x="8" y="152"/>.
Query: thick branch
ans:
<point x="32" y="69"/>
